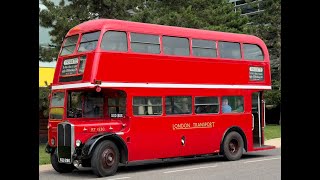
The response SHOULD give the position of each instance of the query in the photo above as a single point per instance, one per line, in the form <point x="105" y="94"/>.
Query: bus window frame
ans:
<point x="103" y="32"/>
<point x="143" y="33"/>
<point x="172" y="115"/>
<point x="253" y="60"/>
<point x="104" y="97"/>
<point x="240" y="48"/>
<point x="78" y="56"/>
<point x="146" y="115"/>
<point x="106" y="104"/>
<point x="201" y="114"/>
<point x="204" y="57"/>
<point x="173" y="55"/>
<point x="75" y="49"/>
<point x="79" y="41"/>
<point x="63" y="107"/>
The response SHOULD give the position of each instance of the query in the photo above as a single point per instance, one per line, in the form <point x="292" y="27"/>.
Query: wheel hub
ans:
<point x="108" y="158"/>
<point x="233" y="146"/>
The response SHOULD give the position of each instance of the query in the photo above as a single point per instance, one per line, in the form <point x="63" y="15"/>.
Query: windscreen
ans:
<point x="56" y="105"/>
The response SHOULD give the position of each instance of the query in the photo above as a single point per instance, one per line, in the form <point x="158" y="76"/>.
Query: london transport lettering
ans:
<point x="194" y="125"/>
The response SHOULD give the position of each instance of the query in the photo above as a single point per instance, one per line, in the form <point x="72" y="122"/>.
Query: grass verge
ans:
<point x="272" y="131"/>
<point x="44" y="158"/>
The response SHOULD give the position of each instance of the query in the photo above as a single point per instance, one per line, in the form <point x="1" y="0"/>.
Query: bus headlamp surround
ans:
<point x="78" y="143"/>
<point x="52" y="141"/>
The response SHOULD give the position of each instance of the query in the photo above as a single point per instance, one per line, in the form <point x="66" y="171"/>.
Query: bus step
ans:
<point x="257" y="147"/>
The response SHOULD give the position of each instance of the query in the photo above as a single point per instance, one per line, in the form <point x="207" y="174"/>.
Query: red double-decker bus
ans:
<point x="128" y="91"/>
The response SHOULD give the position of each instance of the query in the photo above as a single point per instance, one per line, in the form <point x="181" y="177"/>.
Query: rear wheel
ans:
<point x="233" y="146"/>
<point x="105" y="159"/>
<point x="60" y="167"/>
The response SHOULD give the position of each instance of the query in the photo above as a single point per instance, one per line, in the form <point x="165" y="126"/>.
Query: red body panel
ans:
<point x="166" y="69"/>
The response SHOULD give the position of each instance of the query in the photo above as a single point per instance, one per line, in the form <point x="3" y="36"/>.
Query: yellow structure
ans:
<point x="46" y="72"/>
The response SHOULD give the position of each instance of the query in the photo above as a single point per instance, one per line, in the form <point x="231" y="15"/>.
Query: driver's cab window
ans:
<point x="85" y="104"/>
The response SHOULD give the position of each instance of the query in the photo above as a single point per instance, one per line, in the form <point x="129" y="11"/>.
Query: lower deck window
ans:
<point x="147" y="105"/>
<point x="178" y="105"/>
<point x="232" y="104"/>
<point x="206" y="105"/>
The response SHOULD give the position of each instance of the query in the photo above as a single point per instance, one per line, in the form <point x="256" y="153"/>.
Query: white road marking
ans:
<point x="119" y="178"/>
<point x="189" y="169"/>
<point x="261" y="160"/>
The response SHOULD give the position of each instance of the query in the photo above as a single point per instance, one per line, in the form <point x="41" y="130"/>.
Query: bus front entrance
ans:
<point x="257" y="119"/>
<point x="258" y="122"/>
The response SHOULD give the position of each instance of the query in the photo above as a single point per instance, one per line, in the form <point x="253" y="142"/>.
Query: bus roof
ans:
<point x="113" y="24"/>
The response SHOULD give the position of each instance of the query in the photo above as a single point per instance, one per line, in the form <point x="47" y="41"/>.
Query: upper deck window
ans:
<point x="145" y="43"/>
<point x="176" y="46"/>
<point x="252" y="52"/>
<point x="89" y="41"/>
<point x="114" y="41"/>
<point x="229" y="50"/>
<point x="69" y="45"/>
<point x="204" y="48"/>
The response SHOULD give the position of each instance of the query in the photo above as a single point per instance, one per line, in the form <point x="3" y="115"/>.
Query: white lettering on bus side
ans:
<point x="181" y="126"/>
<point x="194" y="125"/>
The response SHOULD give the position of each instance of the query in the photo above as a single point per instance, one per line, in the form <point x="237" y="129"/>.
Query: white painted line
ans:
<point x="189" y="169"/>
<point x="119" y="178"/>
<point x="261" y="160"/>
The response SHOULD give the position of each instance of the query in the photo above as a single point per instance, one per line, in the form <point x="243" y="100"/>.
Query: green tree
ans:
<point x="64" y="16"/>
<point x="47" y="53"/>
<point x="43" y="101"/>
<point x="216" y="15"/>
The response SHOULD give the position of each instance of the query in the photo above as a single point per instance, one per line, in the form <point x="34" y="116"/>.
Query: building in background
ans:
<point x="46" y="72"/>
<point x="246" y="8"/>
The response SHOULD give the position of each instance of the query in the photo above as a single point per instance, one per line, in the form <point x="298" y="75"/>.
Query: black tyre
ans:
<point x="105" y="159"/>
<point x="60" y="167"/>
<point x="233" y="146"/>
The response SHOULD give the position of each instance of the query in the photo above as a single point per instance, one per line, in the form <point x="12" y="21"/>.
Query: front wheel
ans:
<point x="105" y="159"/>
<point x="60" y="167"/>
<point x="233" y="146"/>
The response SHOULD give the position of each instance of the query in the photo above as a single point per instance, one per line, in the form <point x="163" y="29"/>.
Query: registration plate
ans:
<point x="65" y="160"/>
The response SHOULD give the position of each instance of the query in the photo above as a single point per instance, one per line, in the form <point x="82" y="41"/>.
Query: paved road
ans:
<point x="255" y="165"/>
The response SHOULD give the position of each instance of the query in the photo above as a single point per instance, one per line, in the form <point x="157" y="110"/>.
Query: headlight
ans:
<point x="52" y="141"/>
<point x="78" y="143"/>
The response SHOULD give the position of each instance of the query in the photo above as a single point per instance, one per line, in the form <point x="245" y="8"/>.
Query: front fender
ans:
<point x="89" y="146"/>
